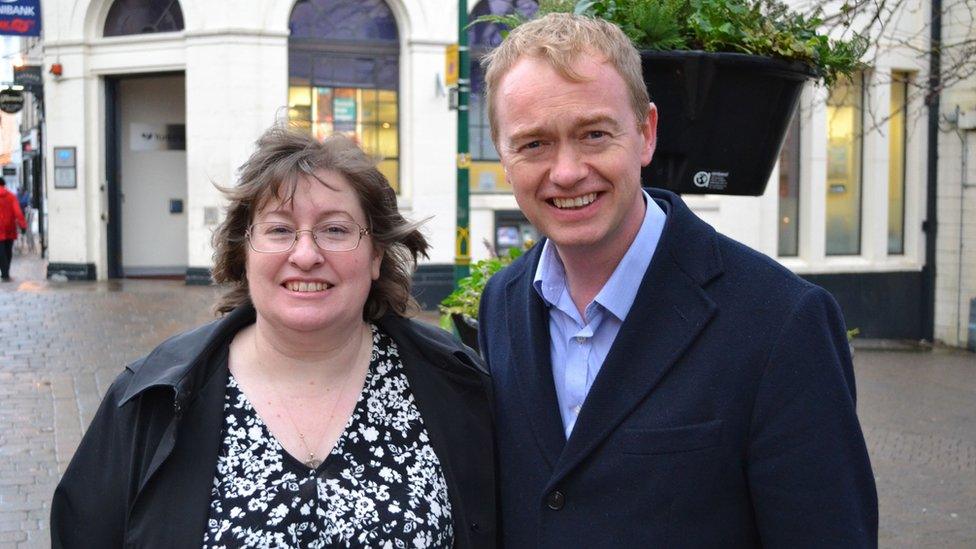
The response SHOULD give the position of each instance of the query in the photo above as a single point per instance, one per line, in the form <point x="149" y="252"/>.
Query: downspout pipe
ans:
<point x="931" y="224"/>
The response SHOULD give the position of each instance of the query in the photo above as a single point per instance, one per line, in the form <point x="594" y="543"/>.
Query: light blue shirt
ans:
<point x="579" y="346"/>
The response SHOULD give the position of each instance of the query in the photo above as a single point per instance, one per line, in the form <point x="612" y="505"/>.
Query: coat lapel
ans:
<point x="178" y="495"/>
<point x="528" y="324"/>
<point x="670" y="311"/>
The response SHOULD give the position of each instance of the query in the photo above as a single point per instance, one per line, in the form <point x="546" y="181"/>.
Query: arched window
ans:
<point x="486" y="173"/>
<point x="344" y="74"/>
<point x="143" y="16"/>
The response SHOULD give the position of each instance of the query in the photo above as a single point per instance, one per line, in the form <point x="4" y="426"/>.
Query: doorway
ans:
<point x="146" y="175"/>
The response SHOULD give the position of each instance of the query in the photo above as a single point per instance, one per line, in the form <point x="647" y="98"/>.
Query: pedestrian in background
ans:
<point x="24" y="198"/>
<point x="11" y="217"/>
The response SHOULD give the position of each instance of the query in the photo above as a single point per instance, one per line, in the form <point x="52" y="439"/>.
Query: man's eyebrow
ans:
<point x="537" y="131"/>
<point x="599" y="119"/>
<point x="525" y="133"/>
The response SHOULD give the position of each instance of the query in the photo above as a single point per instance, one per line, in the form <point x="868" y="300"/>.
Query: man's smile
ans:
<point x="572" y="203"/>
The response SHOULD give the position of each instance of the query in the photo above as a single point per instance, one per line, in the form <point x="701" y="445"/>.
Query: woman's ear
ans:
<point x="375" y="262"/>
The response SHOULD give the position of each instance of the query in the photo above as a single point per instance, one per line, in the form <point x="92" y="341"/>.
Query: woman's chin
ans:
<point x="309" y="322"/>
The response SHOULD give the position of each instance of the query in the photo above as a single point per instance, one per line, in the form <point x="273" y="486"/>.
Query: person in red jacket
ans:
<point x="10" y="218"/>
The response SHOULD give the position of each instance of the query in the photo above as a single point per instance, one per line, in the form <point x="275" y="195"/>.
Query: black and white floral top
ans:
<point x="382" y="485"/>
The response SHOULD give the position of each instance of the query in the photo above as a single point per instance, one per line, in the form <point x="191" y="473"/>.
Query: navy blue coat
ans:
<point x="723" y="416"/>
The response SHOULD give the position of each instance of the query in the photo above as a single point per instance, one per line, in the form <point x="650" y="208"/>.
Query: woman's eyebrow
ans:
<point x="287" y="214"/>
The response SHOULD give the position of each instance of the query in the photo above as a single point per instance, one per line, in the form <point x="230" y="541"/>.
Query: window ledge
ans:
<point x="849" y="264"/>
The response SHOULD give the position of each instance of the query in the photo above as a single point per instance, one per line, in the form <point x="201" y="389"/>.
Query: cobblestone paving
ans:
<point x="61" y="345"/>
<point x="918" y="411"/>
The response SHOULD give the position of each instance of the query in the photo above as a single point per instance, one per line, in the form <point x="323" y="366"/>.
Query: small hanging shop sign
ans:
<point x="11" y="101"/>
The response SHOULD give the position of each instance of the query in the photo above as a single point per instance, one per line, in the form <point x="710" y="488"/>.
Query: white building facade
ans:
<point x="160" y="101"/>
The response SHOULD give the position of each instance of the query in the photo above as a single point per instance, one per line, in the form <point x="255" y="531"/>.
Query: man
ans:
<point x="656" y="384"/>
<point x="10" y="218"/>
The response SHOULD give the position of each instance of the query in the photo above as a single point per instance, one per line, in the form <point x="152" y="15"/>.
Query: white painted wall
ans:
<point x="956" y="241"/>
<point x="235" y="62"/>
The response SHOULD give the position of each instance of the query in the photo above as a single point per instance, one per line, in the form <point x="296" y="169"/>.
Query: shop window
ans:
<point x="142" y="17"/>
<point x="513" y="230"/>
<point x="344" y="74"/>
<point x="897" y="139"/>
<point x="844" y="159"/>
<point x="486" y="173"/>
<point x="789" y="191"/>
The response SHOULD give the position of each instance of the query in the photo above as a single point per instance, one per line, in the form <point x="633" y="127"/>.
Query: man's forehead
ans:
<point x="581" y="66"/>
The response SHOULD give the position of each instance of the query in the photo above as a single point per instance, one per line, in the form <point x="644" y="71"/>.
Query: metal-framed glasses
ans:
<point x="332" y="236"/>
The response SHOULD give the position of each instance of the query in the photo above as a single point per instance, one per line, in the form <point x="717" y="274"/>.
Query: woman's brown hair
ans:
<point x="285" y="155"/>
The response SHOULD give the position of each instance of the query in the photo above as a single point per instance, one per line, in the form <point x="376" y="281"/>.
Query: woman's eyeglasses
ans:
<point x="332" y="236"/>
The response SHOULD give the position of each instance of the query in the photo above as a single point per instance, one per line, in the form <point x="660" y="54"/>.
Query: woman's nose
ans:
<point x="306" y="253"/>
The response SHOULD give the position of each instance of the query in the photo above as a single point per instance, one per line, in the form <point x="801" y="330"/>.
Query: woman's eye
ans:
<point x="279" y="230"/>
<point x="333" y="230"/>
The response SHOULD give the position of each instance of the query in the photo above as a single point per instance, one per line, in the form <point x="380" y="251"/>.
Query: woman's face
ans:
<point x="307" y="289"/>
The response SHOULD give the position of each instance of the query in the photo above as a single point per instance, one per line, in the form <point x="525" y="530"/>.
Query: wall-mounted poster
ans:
<point x="344" y="114"/>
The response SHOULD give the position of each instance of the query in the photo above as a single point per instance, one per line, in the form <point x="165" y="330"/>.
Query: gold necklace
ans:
<point x="311" y="462"/>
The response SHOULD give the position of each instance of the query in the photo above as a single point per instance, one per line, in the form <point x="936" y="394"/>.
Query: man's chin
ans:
<point x="574" y="240"/>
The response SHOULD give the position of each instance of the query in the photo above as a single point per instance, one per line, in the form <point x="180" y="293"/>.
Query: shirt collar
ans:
<point x="620" y="290"/>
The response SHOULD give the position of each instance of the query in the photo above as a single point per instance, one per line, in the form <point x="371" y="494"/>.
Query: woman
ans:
<point x="313" y="414"/>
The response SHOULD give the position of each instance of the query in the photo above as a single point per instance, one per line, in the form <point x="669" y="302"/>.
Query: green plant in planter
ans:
<point x="755" y="27"/>
<point x="465" y="299"/>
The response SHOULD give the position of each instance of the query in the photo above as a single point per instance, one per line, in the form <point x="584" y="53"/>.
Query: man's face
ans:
<point x="573" y="151"/>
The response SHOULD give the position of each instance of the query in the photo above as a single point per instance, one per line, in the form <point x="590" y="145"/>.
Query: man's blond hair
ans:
<point x="561" y="39"/>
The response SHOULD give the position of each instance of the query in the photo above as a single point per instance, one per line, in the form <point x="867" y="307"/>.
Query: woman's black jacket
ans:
<point x="144" y="470"/>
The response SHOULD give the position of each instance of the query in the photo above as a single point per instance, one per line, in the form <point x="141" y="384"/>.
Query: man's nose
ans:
<point x="568" y="167"/>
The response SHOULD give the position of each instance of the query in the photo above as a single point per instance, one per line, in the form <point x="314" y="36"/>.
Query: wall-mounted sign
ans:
<point x="451" y="65"/>
<point x="65" y="168"/>
<point x="20" y="17"/>
<point x="29" y="76"/>
<point x="157" y="137"/>
<point x="11" y="100"/>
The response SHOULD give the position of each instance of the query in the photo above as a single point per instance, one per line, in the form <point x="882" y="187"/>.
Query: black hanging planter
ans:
<point x="722" y="118"/>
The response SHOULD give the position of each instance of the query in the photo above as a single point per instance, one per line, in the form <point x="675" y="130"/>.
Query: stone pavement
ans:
<point x="61" y="345"/>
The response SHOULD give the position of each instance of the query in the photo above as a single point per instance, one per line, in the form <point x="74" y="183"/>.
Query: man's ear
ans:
<point x="648" y="129"/>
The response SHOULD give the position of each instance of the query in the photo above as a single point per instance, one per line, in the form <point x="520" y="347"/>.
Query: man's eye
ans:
<point x="596" y="134"/>
<point x="531" y="145"/>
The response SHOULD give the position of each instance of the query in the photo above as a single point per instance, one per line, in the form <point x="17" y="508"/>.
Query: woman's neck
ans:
<point x="307" y="357"/>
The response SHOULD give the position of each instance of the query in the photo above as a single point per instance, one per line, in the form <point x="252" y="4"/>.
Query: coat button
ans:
<point x="555" y="500"/>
